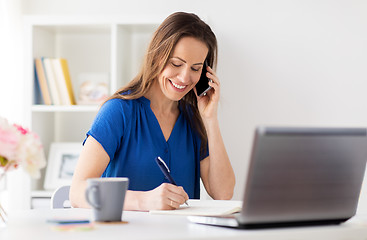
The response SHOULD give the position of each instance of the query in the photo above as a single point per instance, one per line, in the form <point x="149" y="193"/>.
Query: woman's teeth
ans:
<point x="177" y="86"/>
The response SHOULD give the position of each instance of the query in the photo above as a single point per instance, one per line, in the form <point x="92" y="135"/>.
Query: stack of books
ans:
<point x="53" y="82"/>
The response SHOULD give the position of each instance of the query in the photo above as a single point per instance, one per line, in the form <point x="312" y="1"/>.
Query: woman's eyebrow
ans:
<point x="185" y="61"/>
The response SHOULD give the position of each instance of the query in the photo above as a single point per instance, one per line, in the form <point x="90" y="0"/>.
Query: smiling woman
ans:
<point x="183" y="69"/>
<point x="159" y="114"/>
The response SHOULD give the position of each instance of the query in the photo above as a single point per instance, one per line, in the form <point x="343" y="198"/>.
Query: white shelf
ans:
<point x="41" y="194"/>
<point x="72" y="108"/>
<point x="109" y="45"/>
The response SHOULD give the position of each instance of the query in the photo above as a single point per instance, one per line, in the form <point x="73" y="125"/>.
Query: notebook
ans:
<point x="204" y="208"/>
<point x="300" y="176"/>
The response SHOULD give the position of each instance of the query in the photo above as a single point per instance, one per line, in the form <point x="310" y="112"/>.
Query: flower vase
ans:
<point x="3" y="217"/>
<point x="19" y="147"/>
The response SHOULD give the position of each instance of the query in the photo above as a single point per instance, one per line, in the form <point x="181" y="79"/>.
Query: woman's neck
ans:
<point x="159" y="103"/>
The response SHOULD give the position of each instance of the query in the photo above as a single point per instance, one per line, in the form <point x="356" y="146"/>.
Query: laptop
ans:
<point x="300" y="176"/>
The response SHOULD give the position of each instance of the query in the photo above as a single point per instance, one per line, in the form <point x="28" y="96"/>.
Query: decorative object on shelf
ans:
<point x="19" y="147"/>
<point x="93" y="88"/>
<point x="62" y="160"/>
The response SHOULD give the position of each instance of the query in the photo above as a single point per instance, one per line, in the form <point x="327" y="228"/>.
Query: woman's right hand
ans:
<point x="164" y="197"/>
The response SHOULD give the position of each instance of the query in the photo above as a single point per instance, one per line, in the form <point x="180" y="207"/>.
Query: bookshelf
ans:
<point x="109" y="45"/>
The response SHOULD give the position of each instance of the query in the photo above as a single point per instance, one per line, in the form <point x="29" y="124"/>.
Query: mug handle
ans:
<point x="92" y="196"/>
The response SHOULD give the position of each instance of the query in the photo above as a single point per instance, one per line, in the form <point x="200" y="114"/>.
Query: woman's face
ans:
<point x="183" y="68"/>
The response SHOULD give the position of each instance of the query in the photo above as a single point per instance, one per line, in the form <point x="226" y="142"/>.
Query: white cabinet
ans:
<point x="109" y="45"/>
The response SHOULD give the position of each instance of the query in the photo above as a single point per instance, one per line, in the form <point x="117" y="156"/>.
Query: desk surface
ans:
<point x="31" y="224"/>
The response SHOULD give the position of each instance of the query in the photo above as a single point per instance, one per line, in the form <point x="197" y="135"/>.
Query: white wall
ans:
<point x="11" y="90"/>
<point x="11" y="60"/>
<point x="300" y="63"/>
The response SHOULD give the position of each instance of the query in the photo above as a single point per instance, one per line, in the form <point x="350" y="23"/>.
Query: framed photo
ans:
<point x="61" y="163"/>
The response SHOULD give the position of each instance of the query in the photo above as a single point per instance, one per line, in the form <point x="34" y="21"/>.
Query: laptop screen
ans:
<point x="304" y="174"/>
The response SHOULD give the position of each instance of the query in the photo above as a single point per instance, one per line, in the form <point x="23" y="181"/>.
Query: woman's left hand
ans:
<point x="208" y="104"/>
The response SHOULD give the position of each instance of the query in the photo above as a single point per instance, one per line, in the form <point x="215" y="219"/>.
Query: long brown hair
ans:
<point x="164" y="40"/>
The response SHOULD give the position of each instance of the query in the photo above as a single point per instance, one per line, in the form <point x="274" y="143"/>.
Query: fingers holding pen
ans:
<point x="171" y="195"/>
<point x="164" y="197"/>
<point x="176" y="195"/>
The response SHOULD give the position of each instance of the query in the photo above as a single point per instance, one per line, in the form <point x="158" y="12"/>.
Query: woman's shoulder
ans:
<point x="118" y="111"/>
<point x="116" y="106"/>
<point x="120" y="102"/>
<point x="125" y="105"/>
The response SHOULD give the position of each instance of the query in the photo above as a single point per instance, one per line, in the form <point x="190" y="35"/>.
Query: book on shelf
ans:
<point x="60" y="81"/>
<point x="69" y="85"/>
<point x="37" y="95"/>
<point x="51" y="78"/>
<point x="57" y="78"/>
<point x="42" y="82"/>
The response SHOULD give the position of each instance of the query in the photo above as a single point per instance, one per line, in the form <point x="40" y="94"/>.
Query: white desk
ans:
<point x="31" y="224"/>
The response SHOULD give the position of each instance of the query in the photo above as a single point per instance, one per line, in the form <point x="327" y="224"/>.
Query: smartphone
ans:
<point x="203" y="84"/>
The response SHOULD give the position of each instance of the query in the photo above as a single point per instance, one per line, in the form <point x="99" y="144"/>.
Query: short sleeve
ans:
<point x="205" y="154"/>
<point x="109" y="125"/>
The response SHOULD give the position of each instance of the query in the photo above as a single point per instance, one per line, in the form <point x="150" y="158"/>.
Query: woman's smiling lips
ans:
<point x="177" y="86"/>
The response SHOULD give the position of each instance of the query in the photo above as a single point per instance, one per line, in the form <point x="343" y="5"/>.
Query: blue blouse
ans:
<point x="130" y="134"/>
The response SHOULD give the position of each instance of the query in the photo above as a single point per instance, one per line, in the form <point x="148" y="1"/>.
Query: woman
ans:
<point x="159" y="114"/>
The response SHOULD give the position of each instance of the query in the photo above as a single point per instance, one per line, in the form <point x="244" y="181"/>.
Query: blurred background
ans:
<point x="281" y="63"/>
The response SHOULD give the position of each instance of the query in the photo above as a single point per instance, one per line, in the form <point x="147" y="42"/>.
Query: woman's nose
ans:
<point x="184" y="76"/>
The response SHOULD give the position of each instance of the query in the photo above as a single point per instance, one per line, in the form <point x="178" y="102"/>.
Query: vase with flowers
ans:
<point x="22" y="148"/>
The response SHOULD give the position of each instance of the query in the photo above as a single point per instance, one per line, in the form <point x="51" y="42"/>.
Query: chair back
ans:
<point x="60" y="198"/>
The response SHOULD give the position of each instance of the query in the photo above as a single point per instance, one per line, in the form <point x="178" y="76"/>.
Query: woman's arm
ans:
<point x="93" y="161"/>
<point x="216" y="170"/>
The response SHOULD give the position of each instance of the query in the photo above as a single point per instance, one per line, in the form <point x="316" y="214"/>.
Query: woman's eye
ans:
<point x="195" y="69"/>
<point x="176" y="65"/>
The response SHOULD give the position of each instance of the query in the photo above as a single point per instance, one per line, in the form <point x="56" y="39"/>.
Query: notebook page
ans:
<point x="204" y="208"/>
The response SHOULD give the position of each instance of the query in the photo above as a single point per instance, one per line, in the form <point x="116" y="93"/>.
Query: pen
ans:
<point x="165" y="170"/>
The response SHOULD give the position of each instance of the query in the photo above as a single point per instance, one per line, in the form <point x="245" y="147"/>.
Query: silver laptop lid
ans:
<point x="304" y="174"/>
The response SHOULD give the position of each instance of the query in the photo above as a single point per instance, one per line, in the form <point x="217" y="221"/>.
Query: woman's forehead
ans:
<point x="191" y="50"/>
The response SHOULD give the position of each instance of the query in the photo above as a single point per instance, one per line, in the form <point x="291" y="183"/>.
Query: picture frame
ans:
<point x="61" y="163"/>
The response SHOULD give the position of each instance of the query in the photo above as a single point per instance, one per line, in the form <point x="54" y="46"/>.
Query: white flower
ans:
<point x="20" y="147"/>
